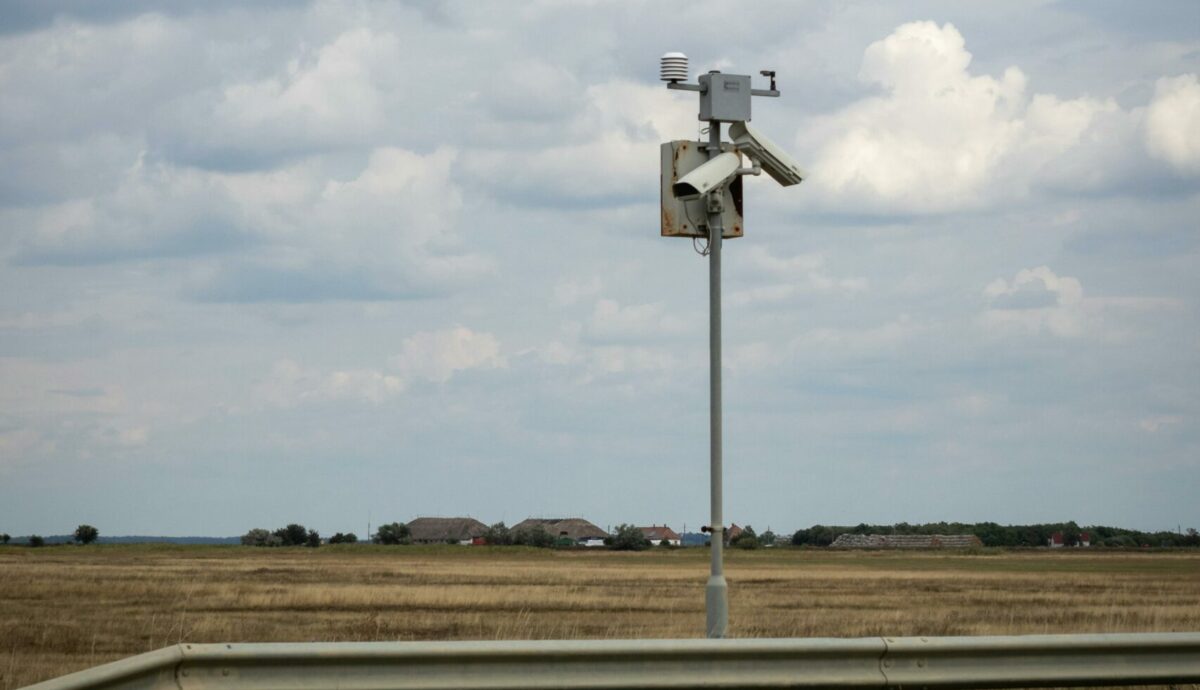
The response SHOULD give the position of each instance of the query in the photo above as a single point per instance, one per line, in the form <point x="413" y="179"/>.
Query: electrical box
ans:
<point x="689" y="218"/>
<point x="725" y="97"/>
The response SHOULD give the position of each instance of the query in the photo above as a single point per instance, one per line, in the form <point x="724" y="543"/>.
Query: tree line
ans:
<point x="994" y="534"/>
<point x="630" y="538"/>
<point x="624" y="538"/>
<point x="84" y="534"/>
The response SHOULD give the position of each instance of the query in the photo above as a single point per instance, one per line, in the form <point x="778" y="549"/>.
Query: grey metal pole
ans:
<point x="716" y="594"/>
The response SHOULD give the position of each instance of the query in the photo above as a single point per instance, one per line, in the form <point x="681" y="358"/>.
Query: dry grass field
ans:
<point x="66" y="608"/>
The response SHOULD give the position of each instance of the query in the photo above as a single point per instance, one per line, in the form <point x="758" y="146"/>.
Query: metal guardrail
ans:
<point x="908" y="662"/>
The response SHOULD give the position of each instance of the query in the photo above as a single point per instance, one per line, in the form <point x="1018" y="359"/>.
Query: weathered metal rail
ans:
<point x="908" y="662"/>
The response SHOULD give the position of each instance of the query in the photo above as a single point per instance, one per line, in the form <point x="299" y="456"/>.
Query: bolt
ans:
<point x="224" y="671"/>
<point x="920" y="663"/>
<point x="184" y="672"/>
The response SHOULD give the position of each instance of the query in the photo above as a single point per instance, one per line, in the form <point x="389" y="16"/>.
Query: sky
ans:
<point x="333" y="263"/>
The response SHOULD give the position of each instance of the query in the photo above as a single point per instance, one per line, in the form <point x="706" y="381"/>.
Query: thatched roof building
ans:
<point x="576" y="529"/>
<point x="435" y="530"/>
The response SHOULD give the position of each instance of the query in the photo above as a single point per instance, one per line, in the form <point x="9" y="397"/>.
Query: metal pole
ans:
<point x="716" y="595"/>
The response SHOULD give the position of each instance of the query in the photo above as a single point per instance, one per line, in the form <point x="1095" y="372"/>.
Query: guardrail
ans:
<point x="909" y="662"/>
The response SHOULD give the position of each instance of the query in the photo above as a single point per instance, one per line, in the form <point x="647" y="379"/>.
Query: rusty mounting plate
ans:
<point x="688" y="218"/>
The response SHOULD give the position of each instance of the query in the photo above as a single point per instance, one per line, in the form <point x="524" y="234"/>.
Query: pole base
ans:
<point x="716" y="599"/>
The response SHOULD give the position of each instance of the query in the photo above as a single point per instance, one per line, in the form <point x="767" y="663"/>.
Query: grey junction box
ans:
<point x="725" y="97"/>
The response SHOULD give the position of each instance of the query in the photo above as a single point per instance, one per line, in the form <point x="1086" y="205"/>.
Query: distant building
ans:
<point x="732" y="533"/>
<point x="658" y="533"/>
<point x="906" y="541"/>
<point x="436" y="530"/>
<point x="1058" y="540"/>
<point x="578" y="530"/>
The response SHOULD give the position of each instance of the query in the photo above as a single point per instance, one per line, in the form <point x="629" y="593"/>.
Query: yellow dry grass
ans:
<point x="63" y="609"/>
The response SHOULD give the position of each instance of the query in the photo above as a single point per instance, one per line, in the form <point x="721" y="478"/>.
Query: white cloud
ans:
<point x="940" y="138"/>
<point x="611" y="322"/>
<point x="389" y="230"/>
<point x="609" y="151"/>
<point x="153" y="210"/>
<point x="1035" y="300"/>
<point x="802" y="273"/>
<point x="624" y="359"/>
<point x="332" y="97"/>
<point x="1153" y="425"/>
<point x="290" y="385"/>
<point x="569" y="292"/>
<point x="885" y="337"/>
<point x="437" y="355"/>
<point x="1173" y="122"/>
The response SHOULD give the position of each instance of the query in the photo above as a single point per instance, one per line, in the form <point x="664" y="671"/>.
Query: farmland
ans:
<point x="67" y="608"/>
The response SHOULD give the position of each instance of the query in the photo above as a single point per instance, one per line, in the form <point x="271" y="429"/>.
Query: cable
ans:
<point x="696" y="247"/>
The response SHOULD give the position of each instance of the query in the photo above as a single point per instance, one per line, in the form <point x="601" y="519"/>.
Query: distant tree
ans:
<point x="820" y="535"/>
<point x="393" y="533"/>
<point x="767" y="538"/>
<point x="36" y="541"/>
<point x="747" y="539"/>
<point x="4" y="538"/>
<point x="817" y="535"/>
<point x="629" y="538"/>
<point x="347" y="538"/>
<point x="261" y="537"/>
<point x="86" y="534"/>
<point x="1192" y="538"/>
<point x="498" y="535"/>
<point x="292" y="535"/>
<point x="533" y="536"/>
<point x="312" y="539"/>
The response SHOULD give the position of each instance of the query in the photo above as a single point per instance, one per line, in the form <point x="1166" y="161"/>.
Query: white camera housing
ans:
<point x="774" y="160"/>
<point x="707" y="177"/>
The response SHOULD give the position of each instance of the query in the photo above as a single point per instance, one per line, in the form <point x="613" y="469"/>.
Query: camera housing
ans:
<point x="774" y="160"/>
<point x="708" y="176"/>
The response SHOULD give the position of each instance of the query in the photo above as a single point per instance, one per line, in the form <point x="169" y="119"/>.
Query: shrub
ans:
<point x="629" y="538"/>
<point x="313" y="539"/>
<point x="533" y="536"/>
<point x="393" y="533"/>
<point x="36" y="541"/>
<point x="347" y="538"/>
<point x="747" y="539"/>
<point x="817" y="535"/>
<point x="292" y="535"/>
<point x="498" y="535"/>
<point x="260" y="537"/>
